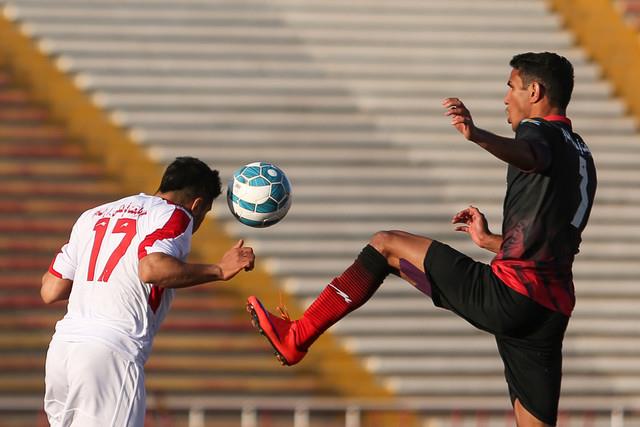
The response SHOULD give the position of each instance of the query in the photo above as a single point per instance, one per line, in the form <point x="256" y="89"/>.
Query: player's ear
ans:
<point x="197" y="203"/>
<point x="536" y="92"/>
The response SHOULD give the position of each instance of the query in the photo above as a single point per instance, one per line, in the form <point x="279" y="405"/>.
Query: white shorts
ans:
<point x="88" y="384"/>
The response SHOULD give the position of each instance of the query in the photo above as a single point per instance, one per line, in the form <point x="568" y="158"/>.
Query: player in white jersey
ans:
<point x="119" y="271"/>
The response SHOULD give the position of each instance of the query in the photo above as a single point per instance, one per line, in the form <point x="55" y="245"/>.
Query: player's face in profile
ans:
<point x="516" y="100"/>
<point x="199" y="213"/>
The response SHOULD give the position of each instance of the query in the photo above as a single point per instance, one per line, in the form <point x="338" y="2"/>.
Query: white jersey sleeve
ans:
<point x="171" y="237"/>
<point x="64" y="264"/>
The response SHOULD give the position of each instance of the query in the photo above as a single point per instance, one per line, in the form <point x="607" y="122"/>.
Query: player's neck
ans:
<point x="176" y="198"/>
<point x="545" y="110"/>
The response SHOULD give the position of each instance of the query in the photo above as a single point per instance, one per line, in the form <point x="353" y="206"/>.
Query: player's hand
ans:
<point x="474" y="224"/>
<point x="460" y="116"/>
<point x="236" y="259"/>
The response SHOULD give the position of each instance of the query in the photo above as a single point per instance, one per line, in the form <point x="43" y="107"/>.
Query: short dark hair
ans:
<point x="193" y="177"/>
<point x="551" y="70"/>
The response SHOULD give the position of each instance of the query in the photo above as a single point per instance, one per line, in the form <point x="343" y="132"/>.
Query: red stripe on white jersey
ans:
<point x="155" y="297"/>
<point x="175" y="226"/>
<point x="53" y="270"/>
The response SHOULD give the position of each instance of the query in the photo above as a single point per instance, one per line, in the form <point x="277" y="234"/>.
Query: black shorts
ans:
<point x="529" y="336"/>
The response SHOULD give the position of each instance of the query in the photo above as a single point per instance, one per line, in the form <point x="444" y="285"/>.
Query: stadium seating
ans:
<point x="345" y="96"/>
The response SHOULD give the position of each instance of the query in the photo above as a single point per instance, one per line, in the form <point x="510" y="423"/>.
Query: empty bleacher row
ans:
<point x="345" y="96"/>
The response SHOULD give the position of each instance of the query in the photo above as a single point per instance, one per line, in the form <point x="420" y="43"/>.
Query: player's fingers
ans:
<point x="460" y="216"/>
<point x="474" y="211"/>
<point x="457" y="119"/>
<point x="462" y="228"/>
<point x="239" y="244"/>
<point x="456" y="110"/>
<point x="456" y="219"/>
<point x="453" y="103"/>
<point x="447" y="102"/>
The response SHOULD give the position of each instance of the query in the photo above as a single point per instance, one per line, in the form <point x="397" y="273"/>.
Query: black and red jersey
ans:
<point x="545" y="212"/>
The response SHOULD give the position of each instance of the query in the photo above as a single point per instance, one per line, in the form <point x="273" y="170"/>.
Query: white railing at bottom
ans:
<point x="353" y="411"/>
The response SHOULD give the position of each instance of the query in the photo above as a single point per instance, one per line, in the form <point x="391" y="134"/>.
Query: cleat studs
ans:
<point x="281" y="359"/>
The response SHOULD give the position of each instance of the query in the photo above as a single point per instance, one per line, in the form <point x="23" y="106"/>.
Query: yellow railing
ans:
<point x="129" y="164"/>
<point x="601" y="30"/>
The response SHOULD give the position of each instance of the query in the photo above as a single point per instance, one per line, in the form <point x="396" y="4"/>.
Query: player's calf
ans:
<point x="344" y="294"/>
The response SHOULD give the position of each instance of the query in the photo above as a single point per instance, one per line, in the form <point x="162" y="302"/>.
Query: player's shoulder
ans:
<point x="140" y="206"/>
<point x="160" y="210"/>
<point x="134" y="205"/>
<point x="111" y="207"/>
<point x="532" y="124"/>
<point x="162" y="206"/>
<point x="533" y="128"/>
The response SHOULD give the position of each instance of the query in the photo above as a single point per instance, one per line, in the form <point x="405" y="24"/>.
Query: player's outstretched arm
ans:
<point x="521" y="155"/>
<point x="475" y="225"/>
<point x="166" y="271"/>
<point x="54" y="288"/>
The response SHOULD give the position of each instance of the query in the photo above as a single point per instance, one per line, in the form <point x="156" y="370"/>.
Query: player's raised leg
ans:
<point x="387" y="251"/>
<point x="405" y="253"/>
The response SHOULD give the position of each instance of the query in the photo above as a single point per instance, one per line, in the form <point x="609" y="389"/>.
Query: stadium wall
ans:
<point x="126" y="161"/>
<point x="601" y="30"/>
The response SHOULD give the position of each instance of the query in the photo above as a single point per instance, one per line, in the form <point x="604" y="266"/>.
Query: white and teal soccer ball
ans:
<point x="259" y="194"/>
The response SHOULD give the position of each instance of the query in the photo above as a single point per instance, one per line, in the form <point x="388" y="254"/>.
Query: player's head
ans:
<point x="539" y="83"/>
<point x="192" y="184"/>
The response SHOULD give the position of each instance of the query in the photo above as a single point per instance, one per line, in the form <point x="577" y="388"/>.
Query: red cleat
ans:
<point x="280" y="331"/>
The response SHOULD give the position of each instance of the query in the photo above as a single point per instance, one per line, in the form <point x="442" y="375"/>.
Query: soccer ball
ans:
<point x="259" y="194"/>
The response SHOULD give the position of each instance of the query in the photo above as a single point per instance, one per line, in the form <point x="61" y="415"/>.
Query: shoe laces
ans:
<point x="282" y="310"/>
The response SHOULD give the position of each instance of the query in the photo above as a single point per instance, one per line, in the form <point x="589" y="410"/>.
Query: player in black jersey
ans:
<point x="525" y="296"/>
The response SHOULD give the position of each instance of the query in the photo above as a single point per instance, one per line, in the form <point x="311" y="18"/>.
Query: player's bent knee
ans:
<point x="381" y="241"/>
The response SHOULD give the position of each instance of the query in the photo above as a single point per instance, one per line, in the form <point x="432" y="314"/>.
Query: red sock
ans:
<point x="344" y="294"/>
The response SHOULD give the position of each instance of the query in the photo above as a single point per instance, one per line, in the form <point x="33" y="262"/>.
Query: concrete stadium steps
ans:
<point x="346" y="98"/>
<point x="206" y="346"/>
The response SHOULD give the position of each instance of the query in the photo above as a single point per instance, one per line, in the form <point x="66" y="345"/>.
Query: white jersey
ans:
<point x="108" y="302"/>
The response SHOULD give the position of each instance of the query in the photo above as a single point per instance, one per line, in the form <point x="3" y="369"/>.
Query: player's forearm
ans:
<point x="168" y="272"/>
<point x="491" y="242"/>
<point x="54" y="289"/>
<point x="506" y="149"/>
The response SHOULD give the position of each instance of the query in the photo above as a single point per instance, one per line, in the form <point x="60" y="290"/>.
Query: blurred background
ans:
<point x="97" y="96"/>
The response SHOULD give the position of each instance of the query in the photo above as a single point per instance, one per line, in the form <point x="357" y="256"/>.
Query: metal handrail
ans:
<point x="249" y="408"/>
